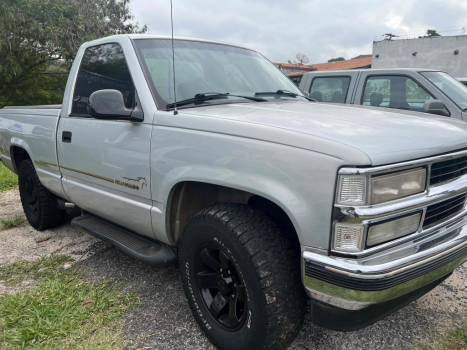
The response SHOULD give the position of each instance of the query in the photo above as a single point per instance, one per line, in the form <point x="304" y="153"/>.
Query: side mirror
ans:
<point x="109" y="104"/>
<point x="306" y="93"/>
<point x="435" y="107"/>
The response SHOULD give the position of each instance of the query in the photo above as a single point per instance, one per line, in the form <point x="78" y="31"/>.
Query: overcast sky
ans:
<point x="322" y="29"/>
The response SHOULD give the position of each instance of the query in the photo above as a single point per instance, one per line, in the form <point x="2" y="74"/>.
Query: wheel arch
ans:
<point x="187" y="198"/>
<point x="18" y="153"/>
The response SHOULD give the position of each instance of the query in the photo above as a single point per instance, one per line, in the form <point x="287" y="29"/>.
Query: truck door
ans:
<point x="105" y="163"/>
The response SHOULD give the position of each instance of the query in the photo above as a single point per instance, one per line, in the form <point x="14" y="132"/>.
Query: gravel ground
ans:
<point x="164" y="320"/>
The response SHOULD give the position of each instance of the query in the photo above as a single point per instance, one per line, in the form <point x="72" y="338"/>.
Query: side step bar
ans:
<point x="139" y="247"/>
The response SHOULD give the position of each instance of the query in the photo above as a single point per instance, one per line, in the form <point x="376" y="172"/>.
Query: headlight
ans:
<point x="350" y="238"/>
<point x="393" y="229"/>
<point x="364" y="190"/>
<point x="388" y="187"/>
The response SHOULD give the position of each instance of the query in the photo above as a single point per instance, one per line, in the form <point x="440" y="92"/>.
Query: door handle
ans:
<point x="66" y="136"/>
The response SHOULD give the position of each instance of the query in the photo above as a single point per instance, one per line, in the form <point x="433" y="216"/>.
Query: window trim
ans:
<point x="87" y="115"/>
<point x="397" y="75"/>
<point x="333" y="76"/>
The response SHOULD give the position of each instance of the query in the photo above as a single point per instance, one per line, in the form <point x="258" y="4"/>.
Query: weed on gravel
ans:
<point x="63" y="311"/>
<point x="15" y="222"/>
<point x="453" y="340"/>
<point x="8" y="180"/>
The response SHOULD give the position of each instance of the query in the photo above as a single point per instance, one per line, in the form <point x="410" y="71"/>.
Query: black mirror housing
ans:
<point x="435" y="107"/>
<point x="109" y="104"/>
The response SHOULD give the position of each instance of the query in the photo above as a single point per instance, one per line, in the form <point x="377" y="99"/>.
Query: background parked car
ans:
<point x="420" y="90"/>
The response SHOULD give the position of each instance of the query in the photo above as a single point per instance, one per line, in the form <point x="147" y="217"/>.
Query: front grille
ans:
<point x="439" y="212"/>
<point x="448" y="170"/>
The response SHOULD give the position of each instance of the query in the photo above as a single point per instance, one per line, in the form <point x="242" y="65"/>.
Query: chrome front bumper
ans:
<point x="357" y="284"/>
<point x="355" y="281"/>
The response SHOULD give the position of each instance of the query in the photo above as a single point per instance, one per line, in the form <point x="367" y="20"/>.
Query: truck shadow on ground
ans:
<point x="164" y="321"/>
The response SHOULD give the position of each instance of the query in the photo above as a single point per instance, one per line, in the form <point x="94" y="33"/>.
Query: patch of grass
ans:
<point x="21" y="270"/>
<point x="457" y="339"/>
<point x="10" y="223"/>
<point x="454" y="340"/>
<point x="63" y="312"/>
<point x="8" y="180"/>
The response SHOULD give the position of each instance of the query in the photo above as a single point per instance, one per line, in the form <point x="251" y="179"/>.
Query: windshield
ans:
<point x="453" y="89"/>
<point x="205" y="67"/>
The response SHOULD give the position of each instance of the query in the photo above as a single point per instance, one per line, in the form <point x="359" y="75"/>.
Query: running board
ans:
<point x="139" y="247"/>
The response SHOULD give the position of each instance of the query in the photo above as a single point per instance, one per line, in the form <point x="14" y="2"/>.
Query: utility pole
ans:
<point x="463" y="30"/>
<point x="389" y="36"/>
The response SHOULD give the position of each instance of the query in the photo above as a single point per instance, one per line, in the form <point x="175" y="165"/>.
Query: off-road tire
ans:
<point x="270" y="268"/>
<point x="46" y="213"/>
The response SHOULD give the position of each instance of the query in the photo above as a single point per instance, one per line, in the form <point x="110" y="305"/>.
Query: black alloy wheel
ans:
<point x="221" y="287"/>
<point x="242" y="278"/>
<point x="32" y="200"/>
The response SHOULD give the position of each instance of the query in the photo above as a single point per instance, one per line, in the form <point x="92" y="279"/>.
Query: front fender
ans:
<point x="301" y="182"/>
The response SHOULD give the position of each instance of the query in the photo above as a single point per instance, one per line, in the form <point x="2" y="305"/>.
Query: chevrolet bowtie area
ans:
<point x="264" y="197"/>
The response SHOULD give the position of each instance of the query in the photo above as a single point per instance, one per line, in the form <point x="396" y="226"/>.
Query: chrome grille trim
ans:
<point x="448" y="170"/>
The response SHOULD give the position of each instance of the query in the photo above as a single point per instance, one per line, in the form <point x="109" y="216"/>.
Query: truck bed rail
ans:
<point x="34" y="107"/>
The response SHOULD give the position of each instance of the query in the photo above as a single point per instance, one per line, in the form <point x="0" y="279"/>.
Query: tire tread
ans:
<point x="50" y="214"/>
<point x="277" y="268"/>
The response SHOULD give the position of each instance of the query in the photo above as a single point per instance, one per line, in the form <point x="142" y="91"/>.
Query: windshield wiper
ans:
<point x="283" y="92"/>
<point x="208" y="96"/>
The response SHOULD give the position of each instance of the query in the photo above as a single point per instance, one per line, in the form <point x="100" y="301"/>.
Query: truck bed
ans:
<point x="33" y="129"/>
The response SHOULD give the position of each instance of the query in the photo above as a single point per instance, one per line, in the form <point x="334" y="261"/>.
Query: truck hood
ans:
<point x="384" y="135"/>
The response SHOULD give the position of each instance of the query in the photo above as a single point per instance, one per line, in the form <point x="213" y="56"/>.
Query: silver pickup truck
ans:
<point x="265" y="199"/>
<point x="418" y="90"/>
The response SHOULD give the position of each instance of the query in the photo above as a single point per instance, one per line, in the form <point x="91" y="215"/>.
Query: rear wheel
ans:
<point x="242" y="278"/>
<point x="39" y="204"/>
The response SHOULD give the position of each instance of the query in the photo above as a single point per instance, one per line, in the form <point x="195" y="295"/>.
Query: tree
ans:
<point x="39" y="40"/>
<point x="430" y="33"/>
<point x="336" y="59"/>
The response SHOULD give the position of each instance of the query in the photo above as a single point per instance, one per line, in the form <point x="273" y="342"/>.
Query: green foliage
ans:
<point x="15" y="222"/>
<point x="8" y="180"/>
<point x="63" y="311"/>
<point x="430" y="33"/>
<point x="39" y="40"/>
<point x="338" y="59"/>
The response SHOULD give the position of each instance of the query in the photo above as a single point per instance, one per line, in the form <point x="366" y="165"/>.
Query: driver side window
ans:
<point x="102" y="67"/>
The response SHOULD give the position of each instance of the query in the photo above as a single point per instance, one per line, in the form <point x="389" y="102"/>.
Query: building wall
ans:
<point x="433" y="53"/>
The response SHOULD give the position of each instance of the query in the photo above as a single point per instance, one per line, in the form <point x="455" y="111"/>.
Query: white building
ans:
<point x="446" y="53"/>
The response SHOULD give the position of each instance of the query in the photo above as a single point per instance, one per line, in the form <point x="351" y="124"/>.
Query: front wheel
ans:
<point x="242" y="278"/>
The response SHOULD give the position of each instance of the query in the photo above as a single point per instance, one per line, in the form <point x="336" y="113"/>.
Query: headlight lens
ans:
<point x="388" y="187"/>
<point x="393" y="229"/>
